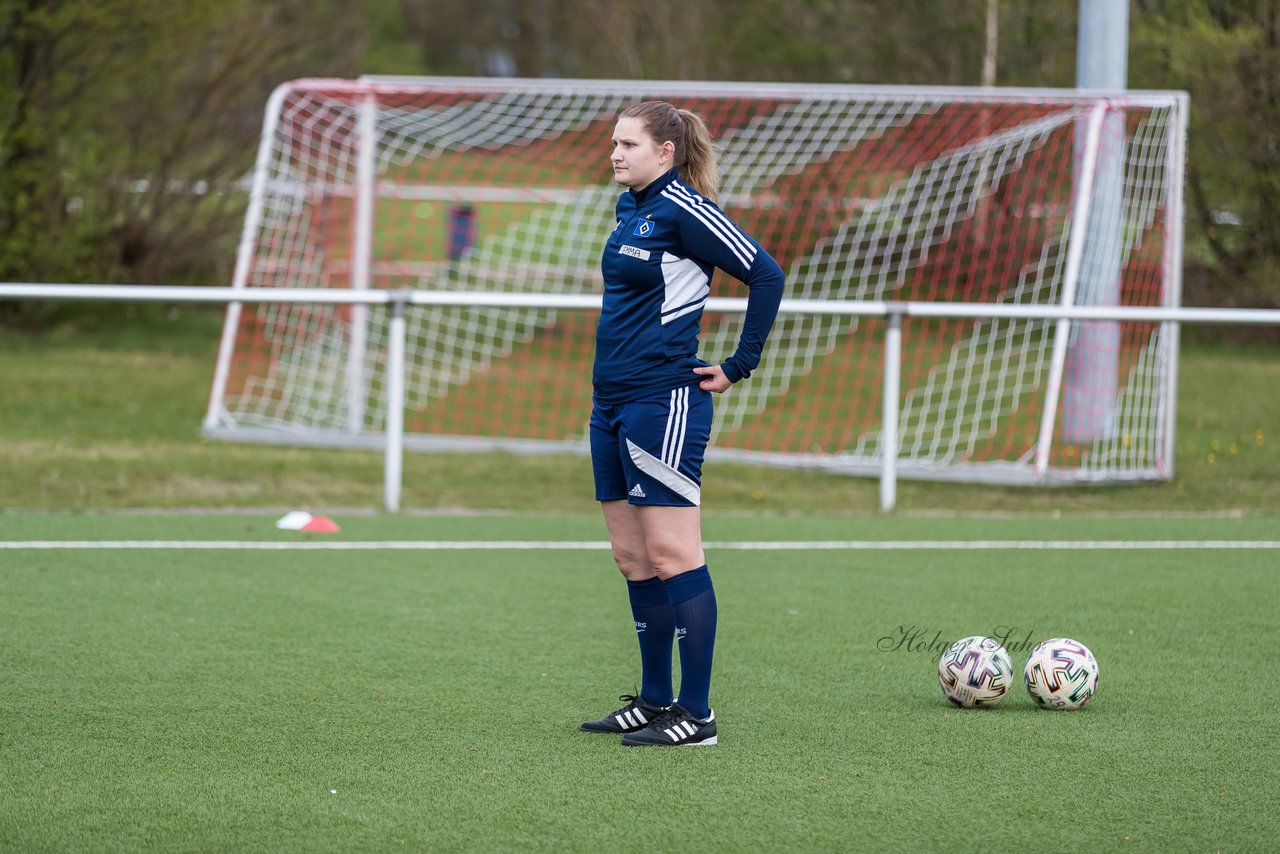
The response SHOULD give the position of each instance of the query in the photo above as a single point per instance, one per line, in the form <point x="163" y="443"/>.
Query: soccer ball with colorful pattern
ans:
<point x="1061" y="673"/>
<point x="975" y="672"/>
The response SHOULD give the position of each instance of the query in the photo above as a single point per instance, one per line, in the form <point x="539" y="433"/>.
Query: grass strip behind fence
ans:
<point x="106" y="414"/>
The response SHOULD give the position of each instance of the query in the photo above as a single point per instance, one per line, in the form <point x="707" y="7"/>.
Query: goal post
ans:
<point x="862" y="194"/>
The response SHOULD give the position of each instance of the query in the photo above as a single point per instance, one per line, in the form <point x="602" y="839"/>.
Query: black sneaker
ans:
<point x="675" y="727"/>
<point x="636" y="714"/>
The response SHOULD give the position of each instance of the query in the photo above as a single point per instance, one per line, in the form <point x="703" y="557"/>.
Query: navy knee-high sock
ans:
<point x="656" y="629"/>
<point x="694" y="601"/>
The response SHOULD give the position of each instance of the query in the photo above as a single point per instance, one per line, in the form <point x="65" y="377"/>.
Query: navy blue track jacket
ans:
<point x="657" y="269"/>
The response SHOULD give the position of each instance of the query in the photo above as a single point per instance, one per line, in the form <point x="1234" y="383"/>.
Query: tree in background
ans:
<point x="1226" y="53"/>
<point x="868" y="41"/>
<point x="37" y="232"/>
<point x="126" y="126"/>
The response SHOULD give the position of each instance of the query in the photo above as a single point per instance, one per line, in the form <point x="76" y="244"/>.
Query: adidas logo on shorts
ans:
<point x="636" y="492"/>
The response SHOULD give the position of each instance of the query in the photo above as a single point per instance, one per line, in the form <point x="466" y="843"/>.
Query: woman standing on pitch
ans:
<point x="651" y="414"/>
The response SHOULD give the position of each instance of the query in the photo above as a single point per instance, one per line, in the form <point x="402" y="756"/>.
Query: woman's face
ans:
<point x="637" y="160"/>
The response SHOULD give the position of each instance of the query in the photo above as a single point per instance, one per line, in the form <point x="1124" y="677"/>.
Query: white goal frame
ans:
<point x="363" y="425"/>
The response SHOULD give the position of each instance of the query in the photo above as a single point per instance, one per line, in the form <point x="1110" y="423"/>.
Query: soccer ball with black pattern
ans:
<point x="1061" y="673"/>
<point x="975" y="672"/>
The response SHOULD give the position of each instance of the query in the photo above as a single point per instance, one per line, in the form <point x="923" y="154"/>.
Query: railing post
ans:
<point x="889" y="407"/>
<point x="393" y="466"/>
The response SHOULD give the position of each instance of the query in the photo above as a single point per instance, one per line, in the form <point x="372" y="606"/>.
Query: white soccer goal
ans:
<point x="1003" y="197"/>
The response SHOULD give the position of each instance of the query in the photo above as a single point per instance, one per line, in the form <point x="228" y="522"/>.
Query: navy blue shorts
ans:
<point x="650" y="451"/>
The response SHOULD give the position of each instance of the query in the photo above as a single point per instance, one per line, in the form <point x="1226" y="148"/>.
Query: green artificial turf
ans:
<point x="195" y="699"/>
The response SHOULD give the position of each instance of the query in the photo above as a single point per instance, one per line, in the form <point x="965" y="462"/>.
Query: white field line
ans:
<point x="571" y="545"/>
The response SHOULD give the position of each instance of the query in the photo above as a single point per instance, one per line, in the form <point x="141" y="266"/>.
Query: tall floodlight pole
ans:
<point x="1091" y="373"/>
<point x="990" y="48"/>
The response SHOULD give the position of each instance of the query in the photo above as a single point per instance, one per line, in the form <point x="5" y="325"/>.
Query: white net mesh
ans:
<point x="860" y="193"/>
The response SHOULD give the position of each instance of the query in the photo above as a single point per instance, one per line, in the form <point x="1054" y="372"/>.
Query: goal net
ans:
<point x="1034" y="198"/>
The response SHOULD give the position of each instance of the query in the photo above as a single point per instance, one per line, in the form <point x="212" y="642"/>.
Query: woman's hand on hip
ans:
<point x="713" y="379"/>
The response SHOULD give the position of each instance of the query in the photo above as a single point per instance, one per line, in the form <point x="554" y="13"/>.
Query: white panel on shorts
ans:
<point x="664" y="474"/>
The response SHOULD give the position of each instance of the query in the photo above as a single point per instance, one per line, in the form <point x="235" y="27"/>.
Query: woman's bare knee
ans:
<point x="673" y="540"/>
<point x="636" y="567"/>
<point x="626" y="537"/>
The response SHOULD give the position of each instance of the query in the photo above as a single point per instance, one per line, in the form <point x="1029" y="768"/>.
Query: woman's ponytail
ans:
<point x="695" y="151"/>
